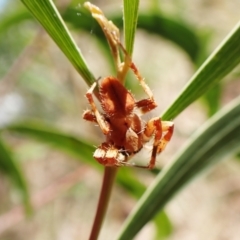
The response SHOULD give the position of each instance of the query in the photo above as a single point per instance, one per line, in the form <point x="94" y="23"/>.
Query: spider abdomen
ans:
<point x="116" y="100"/>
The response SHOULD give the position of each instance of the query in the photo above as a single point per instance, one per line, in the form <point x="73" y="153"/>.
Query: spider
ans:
<point x="125" y="131"/>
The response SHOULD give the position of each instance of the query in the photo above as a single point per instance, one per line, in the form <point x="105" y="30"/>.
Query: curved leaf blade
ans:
<point x="178" y="32"/>
<point x="50" y="135"/>
<point x="9" y="166"/>
<point x="175" y="31"/>
<point x="74" y="147"/>
<point x="13" y="19"/>
<point x="216" y="139"/>
<point x="221" y="62"/>
<point x="49" y="17"/>
<point x="163" y="226"/>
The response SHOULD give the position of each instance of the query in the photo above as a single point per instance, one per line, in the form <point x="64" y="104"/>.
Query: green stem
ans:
<point x="107" y="185"/>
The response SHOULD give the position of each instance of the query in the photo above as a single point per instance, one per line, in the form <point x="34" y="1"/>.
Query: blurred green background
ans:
<point x="38" y="83"/>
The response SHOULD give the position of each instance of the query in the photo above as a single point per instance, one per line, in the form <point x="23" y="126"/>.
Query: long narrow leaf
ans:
<point x="75" y="147"/>
<point x="163" y="226"/>
<point x="175" y="31"/>
<point x="218" y="138"/>
<point x="48" y="16"/>
<point x="178" y="32"/>
<point x="222" y="61"/>
<point x="13" y="19"/>
<point x="9" y="166"/>
<point x="49" y="135"/>
<point x="130" y="15"/>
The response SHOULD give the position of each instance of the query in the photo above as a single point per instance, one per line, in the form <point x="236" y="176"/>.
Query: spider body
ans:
<point x="125" y="131"/>
<point x="123" y="127"/>
<point x="118" y="105"/>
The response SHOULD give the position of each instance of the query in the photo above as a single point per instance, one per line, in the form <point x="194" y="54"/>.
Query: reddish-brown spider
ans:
<point x="125" y="131"/>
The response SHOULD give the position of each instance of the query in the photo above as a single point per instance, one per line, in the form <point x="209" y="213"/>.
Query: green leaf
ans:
<point x="130" y="183"/>
<point x="9" y="166"/>
<point x="74" y="147"/>
<point x="13" y="19"/>
<point x="178" y="32"/>
<point x="221" y="62"/>
<point x="48" y="16"/>
<point x="219" y="137"/>
<point x="175" y="31"/>
<point x="212" y="99"/>
<point x="50" y="135"/>
<point x="163" y="226"/>
<point x="130" y="16"/>
<point x="77" y="148"/>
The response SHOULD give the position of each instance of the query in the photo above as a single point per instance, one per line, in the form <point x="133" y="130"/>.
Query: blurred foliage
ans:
<point x="209" y="145"/>
<point x="18" y="29"/>
<point x="163" y="226"/>
<point x="9" y="166"/>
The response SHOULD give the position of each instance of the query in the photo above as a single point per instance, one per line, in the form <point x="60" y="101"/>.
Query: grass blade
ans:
<point x="209" y="145"/>
<point x="175" y="31"/>
<point x="74" y="147"/>
<point x="221" y="62"/>
<point x="178" y="32"/>
<point x="49" y="135"/>
<point x="130" y="16"/>
<point x="49" y="17"/>
<point x="9" y="166"/>
<point x="13" y="19"/>
<point x="163" y="226"/>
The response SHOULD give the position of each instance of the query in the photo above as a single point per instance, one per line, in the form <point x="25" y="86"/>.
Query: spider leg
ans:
<point x="167" y="127"/>
<point x="89" y="116"/>
<point x="96" y="115"/>
<point x="110" y="30"/>
<point x="158" y="128"/>
<point x="148" y="104"/>
<point x="109" y="156"/>
<point x="153" y="126"/>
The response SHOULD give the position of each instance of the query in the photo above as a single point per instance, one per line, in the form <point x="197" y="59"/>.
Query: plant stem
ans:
<point x="107" y="184"/>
